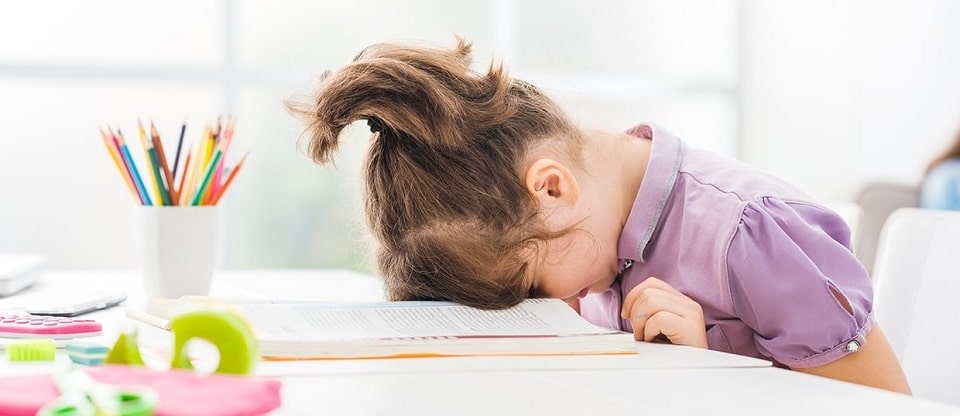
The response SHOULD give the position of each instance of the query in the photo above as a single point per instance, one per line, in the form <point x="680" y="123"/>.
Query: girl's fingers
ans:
<point x="678" y="329"/>
<point x="667" y="323"/>
<point x="657" y="308"/>
<point x="650" y="305"/>
<point x="638" y="290"/>
<point x="652" y="299"/>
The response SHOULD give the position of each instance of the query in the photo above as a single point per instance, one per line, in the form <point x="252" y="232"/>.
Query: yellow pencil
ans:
<point x="181" y="191"/>
<point x="187" y="194"/>
<point x="208" y="142"/>
<point x="187" y="175"/>
<point x="199" y="158"/>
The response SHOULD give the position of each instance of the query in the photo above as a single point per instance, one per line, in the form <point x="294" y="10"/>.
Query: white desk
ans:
<point x="663" y="378"/>
<point x="699" y="391"/>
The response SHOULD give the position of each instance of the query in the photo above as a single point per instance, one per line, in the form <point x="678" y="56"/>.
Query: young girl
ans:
<point x="480" y="190"/>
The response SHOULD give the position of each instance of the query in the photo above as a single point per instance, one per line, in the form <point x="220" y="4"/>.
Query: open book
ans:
<point x="330" y="330"/>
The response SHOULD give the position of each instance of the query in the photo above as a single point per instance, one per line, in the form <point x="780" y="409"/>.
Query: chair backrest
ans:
<point x="851" y="214"/>
<point x="878" y="200"/>
<point x="917" y="281"/>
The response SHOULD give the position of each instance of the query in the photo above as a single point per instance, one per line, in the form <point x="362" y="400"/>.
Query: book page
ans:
<point x="534" y="317"/>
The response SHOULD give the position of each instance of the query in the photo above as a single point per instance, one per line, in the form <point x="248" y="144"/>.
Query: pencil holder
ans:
<point x="179" y="249"/>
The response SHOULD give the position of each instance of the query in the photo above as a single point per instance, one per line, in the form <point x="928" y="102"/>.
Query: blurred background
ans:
<point x="831" y="95"/>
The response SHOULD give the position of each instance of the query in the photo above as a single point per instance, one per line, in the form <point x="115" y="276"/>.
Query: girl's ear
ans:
<point x="550" y="182"/>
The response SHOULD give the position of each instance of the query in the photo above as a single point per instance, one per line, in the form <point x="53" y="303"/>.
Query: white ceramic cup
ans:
<point x="179" y="249"/>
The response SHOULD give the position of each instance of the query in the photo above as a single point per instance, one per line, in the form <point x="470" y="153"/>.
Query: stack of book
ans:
<point x="332" y="330"/>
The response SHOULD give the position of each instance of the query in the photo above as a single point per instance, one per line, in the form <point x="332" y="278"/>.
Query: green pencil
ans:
<point x="212" y="166"/>
<point x="153" y="164"/>
<point x="155" y="167"/>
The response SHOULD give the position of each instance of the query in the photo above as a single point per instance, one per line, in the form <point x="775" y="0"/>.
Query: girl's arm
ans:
<point x="874" y="364"/>
<point x="795" y="281"/>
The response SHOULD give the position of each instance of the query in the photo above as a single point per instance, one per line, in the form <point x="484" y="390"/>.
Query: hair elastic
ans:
<point x="376" y="125"/>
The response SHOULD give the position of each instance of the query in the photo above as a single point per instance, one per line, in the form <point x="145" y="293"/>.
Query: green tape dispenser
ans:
<point x="224" y="329"/>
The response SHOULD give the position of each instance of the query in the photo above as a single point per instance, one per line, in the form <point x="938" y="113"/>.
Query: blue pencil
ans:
<point x="133" y="169"/>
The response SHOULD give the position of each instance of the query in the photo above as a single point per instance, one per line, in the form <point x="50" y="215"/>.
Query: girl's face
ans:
<point x="576" y="264"/>
<point x="596" y="201"/>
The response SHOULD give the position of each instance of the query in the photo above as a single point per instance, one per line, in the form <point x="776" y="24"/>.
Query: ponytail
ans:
<point x="430" y="97"/>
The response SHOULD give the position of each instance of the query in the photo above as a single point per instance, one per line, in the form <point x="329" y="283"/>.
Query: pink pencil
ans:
<point x="218" y="174"/>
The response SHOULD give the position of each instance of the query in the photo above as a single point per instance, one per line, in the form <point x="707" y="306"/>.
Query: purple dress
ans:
<point x="772" y="269"/>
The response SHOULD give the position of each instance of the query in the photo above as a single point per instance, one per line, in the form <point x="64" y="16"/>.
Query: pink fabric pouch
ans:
<point x="179" y="392"/>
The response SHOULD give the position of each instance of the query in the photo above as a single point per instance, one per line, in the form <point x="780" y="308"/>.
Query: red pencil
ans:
<point x="226" y="184"/>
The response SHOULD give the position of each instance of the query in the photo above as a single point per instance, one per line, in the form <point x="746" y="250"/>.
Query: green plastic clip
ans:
<point x="125" y="350"/>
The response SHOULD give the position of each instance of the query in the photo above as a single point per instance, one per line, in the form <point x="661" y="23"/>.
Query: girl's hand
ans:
<point x="654" y="307"/>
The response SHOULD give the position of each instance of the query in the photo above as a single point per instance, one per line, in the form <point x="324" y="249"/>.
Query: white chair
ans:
<point x="878" y="200"/>
<point x="917" y="281"/>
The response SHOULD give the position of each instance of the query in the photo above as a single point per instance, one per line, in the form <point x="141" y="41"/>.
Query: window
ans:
<point x="611" y="64"/>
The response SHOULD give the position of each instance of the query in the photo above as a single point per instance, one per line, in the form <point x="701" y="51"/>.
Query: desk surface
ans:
<point x="681" y="380"/>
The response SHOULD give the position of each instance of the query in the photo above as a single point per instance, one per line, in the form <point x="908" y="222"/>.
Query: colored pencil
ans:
<point x="207" y="176"/>
<point x="217" y="134"/>
<point x="120" y="164"/>
<point x="196" y="164"/>
<point x="197" y="179"/>
<point x="176" y="158"/>
<point x="208" y="145"/>
<point x="183" y="179"/>
<point x="230" y="176"/>
<point x="161" y="154"/>
<point x="131" y="170"/>
<point x="128" y="164"/>
<point x="218" y="146"/>
<point x="218" y="175"/>
<point x="151" y="164"/>
<point x="125" y="151"/>
<point x="208" y="190"/>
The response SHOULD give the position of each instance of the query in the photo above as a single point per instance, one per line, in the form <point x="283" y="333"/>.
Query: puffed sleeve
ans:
<point x="796" y="283"/>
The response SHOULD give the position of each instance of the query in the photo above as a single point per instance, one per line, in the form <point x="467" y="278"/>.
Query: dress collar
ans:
<point x="655" y="189"/>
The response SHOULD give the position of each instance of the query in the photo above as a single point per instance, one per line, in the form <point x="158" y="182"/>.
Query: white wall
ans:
<point x="835" y="94"/>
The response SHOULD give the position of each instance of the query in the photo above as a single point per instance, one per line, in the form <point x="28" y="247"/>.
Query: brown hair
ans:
<point x="443" y="191"/>
<point x="952" y="152"/>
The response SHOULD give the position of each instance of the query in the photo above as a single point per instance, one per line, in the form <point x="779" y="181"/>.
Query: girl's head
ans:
<point x="444" y="188"/>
